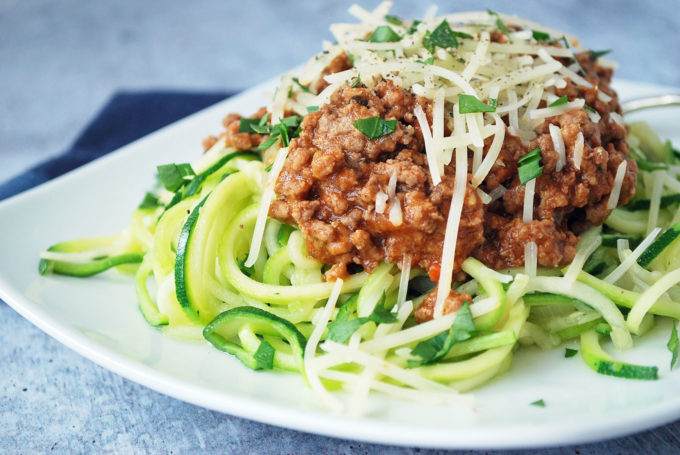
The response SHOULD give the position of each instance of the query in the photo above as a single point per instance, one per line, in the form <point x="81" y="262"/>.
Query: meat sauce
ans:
<point x="333" y="173"/>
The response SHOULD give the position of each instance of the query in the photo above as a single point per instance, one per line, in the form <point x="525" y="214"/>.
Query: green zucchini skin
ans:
<point x="85" y="269"/>
<point x="226" y="325"/>
<point x="180" y="264"/>
<point x="659" y="245"/>
<point x="601" y="362"/>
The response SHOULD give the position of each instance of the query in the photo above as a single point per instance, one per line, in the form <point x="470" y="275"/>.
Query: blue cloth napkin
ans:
<point x="127" y="116"/>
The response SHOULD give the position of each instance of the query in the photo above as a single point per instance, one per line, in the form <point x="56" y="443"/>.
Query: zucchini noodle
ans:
<point x="208" y="262"/>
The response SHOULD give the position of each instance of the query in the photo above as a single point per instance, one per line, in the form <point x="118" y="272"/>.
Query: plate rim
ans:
<point x="367" y="429"/>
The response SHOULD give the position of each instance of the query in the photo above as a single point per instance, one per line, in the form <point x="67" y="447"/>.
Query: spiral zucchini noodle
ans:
<point x="210" y="264"/>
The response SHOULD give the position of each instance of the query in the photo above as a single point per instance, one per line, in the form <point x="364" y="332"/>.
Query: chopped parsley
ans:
<point x="242" y="266"/>
<point x="594" y="55"/>
<point x="283" y="133"/>
<point x="254" y="125"/>
<point x="568" y="352"/>
<point x="375" y="127"/>
<point x="384" y="34"/>
<point x="436" y="348"/>
<point x="493" y="102"/>
<point x="149" y="201"/>
<point x="288" y="128"/>
<point x="442" y="36"/>
<point x="357" y="81"/>
<point x="312" y="108"/>
<point x="271" y="140"/>
<point x="427" y="61"/>
<point x="413" y="28"/>
<point x="529" y="168"/>
<point x="499" y="23"/>
<point x="172" y="176"/>
<point x="394" y="20"/>
<point x="589" y="109"/>
<point x="264" y="356"/>
<point x="344" y="325"/>
<point x="303" y="87"/>
<point x="559" y="101"/>
<point x="469" y="104"/>
<point x="541" y="37"/>
<point x="538" y="403"/>
<point x="673" y="345"/>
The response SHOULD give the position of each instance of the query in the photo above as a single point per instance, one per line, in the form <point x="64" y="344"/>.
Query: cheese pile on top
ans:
<point x="476" y="67"/>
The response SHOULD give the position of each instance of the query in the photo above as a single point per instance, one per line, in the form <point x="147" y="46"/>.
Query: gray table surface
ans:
<point x="61" y="60"/>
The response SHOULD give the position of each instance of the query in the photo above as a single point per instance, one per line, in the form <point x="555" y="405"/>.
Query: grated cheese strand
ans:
<point x="267" y="197"/>
<point x="577" y="156"/>
<point x="528" y="209"/>
<point x="530" y="258"/>
<point x="613" y="200"/>
<point x="430" y="152"/>
<point x="310" y="351"/>
<point x="558" y="143"/>
<point x="619" y="271"/>
<point x="451" y="233"/>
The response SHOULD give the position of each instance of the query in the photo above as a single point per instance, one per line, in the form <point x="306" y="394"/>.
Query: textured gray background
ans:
<point x="61" y="60"/>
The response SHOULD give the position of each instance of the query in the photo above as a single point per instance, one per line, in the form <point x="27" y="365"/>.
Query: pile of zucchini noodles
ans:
<point x="275" y="315"/>
<point x="189" y="246"/>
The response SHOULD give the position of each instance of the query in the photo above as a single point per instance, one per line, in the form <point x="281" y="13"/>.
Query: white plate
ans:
<point x="98" y="318"/>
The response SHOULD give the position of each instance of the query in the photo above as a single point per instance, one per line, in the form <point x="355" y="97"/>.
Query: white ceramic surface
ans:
<point x="98" y="318"/>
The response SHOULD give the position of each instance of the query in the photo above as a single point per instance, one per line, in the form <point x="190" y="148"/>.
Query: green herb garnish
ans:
<point x="264" y="356"/>
<point x="384" y="34"/>
<point x="303" y="87"/>
<point x="499" y="23"/>
<point x="594" y="55"/>
<point x="538" y="403"/>
<point x="568" y="352"/>
<point x="443" y="36"/>
<point x="394" y="20"/>
<point x="172" y="176"/>
<point x="149" y="201"/>
<point x="469" y="104"/>
<point x="436" y="348"/>
<point x="541" y="37"/>
<point x="427" y="61"/>
<point x="375" y="127"/>
<point x="590" y="109"/>
<point x="357" y="81"/>
<point x="412" y="29"/>
<point x="242" y="266"/>
<point x="559" y="101"/>
<point x="529" y="168"/>
<point x="344" y="326"/>
<point x="255" y="125"/>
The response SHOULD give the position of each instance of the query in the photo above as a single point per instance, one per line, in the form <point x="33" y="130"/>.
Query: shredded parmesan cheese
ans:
<point x="267" y="197"/>
<point x="380" y="202"/>
<point x="451" y="233"/>
<point x="530" y="258"/>
<point x="558" y="143"/>
<point x="619" y="271"/>
<point x="528" y="209"/>
<point x="578" y="150"/>
<point x="613" y="200"/>
<point x="430" y="152"/>
<point x="310" y="351"/>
